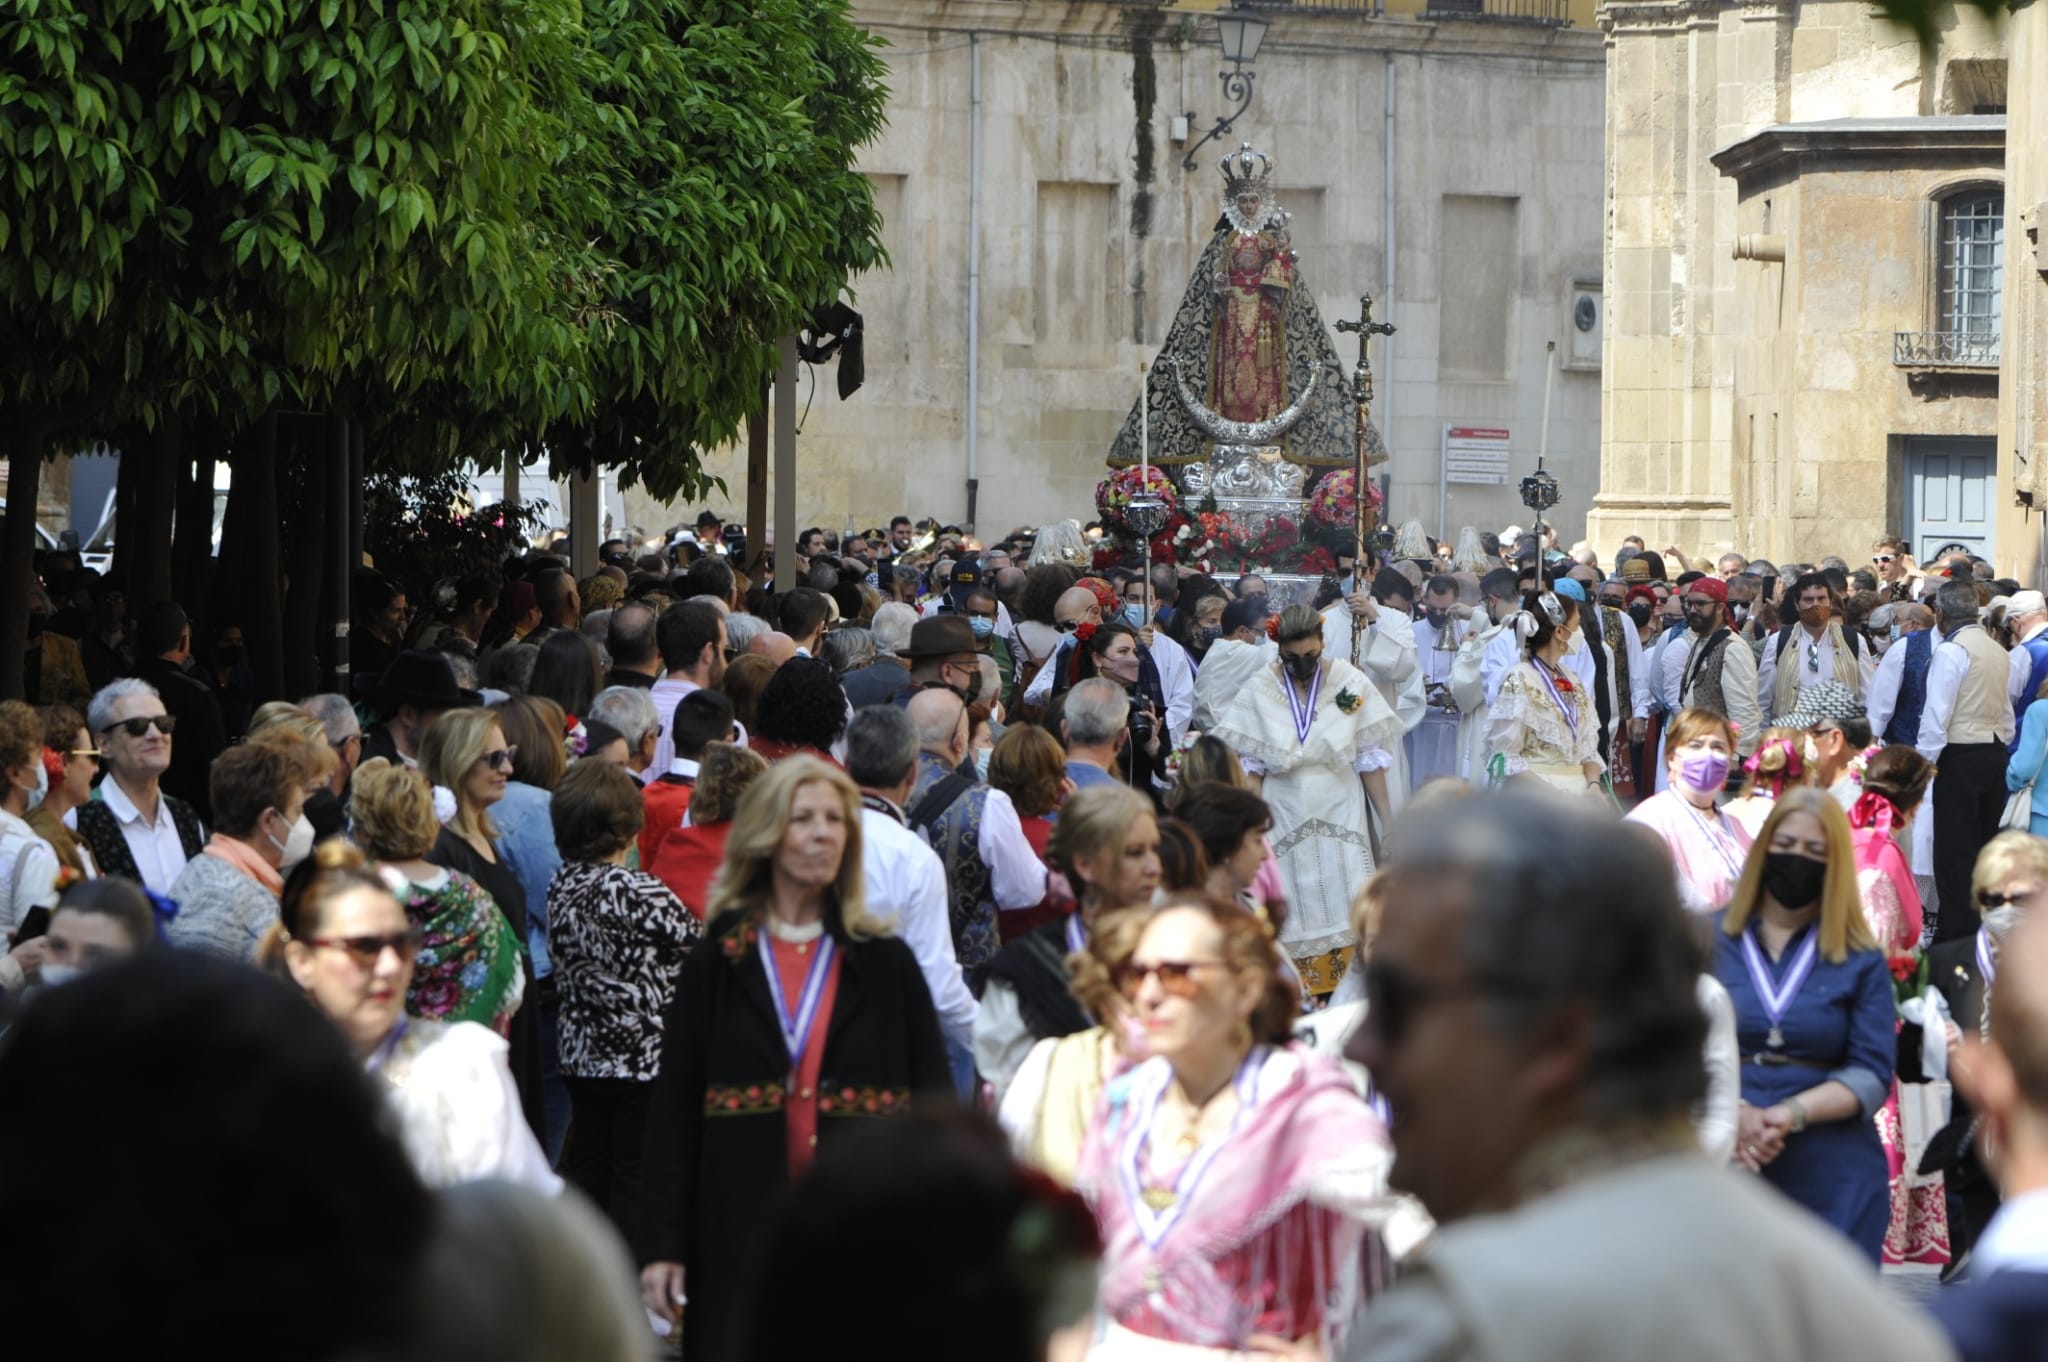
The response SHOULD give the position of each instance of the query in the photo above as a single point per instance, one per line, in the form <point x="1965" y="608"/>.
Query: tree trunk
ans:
<point x="308" y="555"/>
<point x="342" y="487"/>
<point x="192" y="548"/>
<point x="156" y="489"/>
<point x="18" y="543"/>
<point x="253" y="504"/>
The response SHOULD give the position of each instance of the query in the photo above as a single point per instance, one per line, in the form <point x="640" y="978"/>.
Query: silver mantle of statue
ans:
<point x="1247" y="392"/>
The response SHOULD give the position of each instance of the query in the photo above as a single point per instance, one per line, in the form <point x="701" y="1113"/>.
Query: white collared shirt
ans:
<point x="159" y="853"/>
<point x="2016" y="1238"/>
<point x="906" y="883"/>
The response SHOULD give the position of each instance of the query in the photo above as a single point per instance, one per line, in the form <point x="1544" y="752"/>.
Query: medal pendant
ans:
<point x="1159" y="1198"/>
<point x="1776" y="1040"/>
<point x="1153" y="1281"/>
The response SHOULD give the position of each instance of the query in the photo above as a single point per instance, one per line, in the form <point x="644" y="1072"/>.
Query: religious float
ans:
<point x="1246" y="450"/>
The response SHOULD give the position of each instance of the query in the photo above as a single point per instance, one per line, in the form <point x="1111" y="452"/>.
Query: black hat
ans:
<point x="425" y="680"/>
<point x="939" y="636"/>
<point x="708" y="518"/>
<point x="965" y="577"/>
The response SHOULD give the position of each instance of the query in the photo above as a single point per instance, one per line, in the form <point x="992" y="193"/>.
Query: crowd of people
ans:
<point x="1444" y="959"/>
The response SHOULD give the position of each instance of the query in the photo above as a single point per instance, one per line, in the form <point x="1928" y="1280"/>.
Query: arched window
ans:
<point x="1972" y="264"/>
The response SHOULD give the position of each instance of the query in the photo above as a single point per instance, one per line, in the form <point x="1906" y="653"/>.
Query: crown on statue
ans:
<point x="1245" y="171"/>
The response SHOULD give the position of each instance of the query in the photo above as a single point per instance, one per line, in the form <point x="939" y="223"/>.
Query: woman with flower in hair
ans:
<point x="1777" y="765"/>
<point x="1315" y="737"/>
<point x="1542" y="726"/>
<point x="1895" y="782"/>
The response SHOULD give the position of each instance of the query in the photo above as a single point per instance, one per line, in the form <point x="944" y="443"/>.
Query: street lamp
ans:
<point x="1240" y="35"/>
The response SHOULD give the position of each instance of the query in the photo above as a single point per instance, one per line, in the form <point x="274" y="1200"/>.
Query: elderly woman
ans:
<point x="1107" y="845"/>
<point x="323" y="808"/>
<point x="689" y="858"/>
<point x="227" y="895"/>
<point x="798" y="1020"/>
<point x="1813" y="1018"/>
<point x="1232" y="1175"/>
<point x="468" y="965"/>
<point x="1706" y="845"/>
<point x="1053" y="1099"/>
<point x="1316" y="738"/>
<point x="619" y="938"/>
<point x="344" y="940"/>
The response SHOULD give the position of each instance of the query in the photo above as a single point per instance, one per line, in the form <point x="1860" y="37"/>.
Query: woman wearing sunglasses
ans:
<point x="1233" y="1176"/>
<point x="348" y="944"/>
<point x="466" y="756"/>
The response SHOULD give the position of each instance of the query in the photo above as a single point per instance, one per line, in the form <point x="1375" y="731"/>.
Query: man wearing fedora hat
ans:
<point x="416" y="689"/>
<point x="941" y="652"/>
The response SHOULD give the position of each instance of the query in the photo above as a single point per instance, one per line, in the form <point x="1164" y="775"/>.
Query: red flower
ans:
<point x="1903" y="967"/>
<point x="1564" y="685"/>
<point x="732" y="1103"/>
<point x="1273" y="627"/>
<point x="1085" y="631"/>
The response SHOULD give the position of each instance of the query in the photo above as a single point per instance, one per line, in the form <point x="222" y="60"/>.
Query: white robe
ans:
<point x="1393" y="664"/>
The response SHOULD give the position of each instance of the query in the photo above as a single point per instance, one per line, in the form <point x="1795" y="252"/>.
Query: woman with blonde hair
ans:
<point x="468" y="965"/>
<point x="342" y="937"/>
<point x="280" y="721"/>
<point x="1107" y="847"/>
<point x="1053" y="1098"/>
<point x="1316" y="738"/>
<point x="1813" y="1018"/>
<point x="465" y="754"/>
<point x="797" y="1020"/>
<point x="1778" y="764"/>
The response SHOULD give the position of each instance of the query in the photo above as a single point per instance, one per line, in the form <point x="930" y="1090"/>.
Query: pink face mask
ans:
<point x="1135" y="1044"/>
<point x="1703" y="772"/>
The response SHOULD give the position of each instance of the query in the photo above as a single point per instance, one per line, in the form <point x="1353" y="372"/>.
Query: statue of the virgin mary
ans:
<point x="1246" y="394"/>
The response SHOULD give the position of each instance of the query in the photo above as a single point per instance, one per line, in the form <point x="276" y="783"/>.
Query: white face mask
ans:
<point x="297" y="845"/>
<point x="53" y="975"/>
<point x="41" y="789"/>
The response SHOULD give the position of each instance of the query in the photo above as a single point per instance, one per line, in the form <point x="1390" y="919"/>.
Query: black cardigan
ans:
<point x="716" y="1164"/>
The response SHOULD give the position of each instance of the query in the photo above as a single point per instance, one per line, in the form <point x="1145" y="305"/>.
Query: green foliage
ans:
<point x="421" y="531"/>
<point x="1927" y="17"/>
<point x="480" y="224"/>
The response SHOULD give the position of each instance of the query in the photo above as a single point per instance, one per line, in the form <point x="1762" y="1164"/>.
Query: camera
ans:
<point x="1141" y="723"/>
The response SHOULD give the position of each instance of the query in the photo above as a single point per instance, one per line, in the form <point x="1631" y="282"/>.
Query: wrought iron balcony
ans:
<point x="1945" y="349"/>
<point x="1552" y="13"/>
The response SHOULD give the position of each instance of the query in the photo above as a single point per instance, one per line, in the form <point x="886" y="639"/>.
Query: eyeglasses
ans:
<point x="1987" y="899"/>
<point x="135" y="728"/>
<point x="1394" y="998"/>
<point x="502" y="758"/>
<point x="367" y="950"/>
<point x="1881" y="558"/>
<point x="1066" y="626"/>
<point x="1176" y="977"/>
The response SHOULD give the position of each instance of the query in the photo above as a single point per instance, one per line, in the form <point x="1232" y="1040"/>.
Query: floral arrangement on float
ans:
<point x="1332" y="510"/>
<point x="1178" y="540"/>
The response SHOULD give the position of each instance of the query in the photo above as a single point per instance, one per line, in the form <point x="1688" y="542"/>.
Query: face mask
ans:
<point x="41" y="788"/>
<point x="1206" y="636"/>
<point x="54" y="975"/>
<point x="1897" y="633"/>
<point x="973" y="691"/>
<point x="981" y="625"/>
<point x="1641" y="611"/>
<point x="1134" y="615"/>
<point x="1793" y="880"/>
<point x="1740" y="611"/>
<point x="297" y="844"/>
<point x="1436" y="617"/>
<point x="2000" y="921"/>
<point x="1703" y="772"/>
<point x="1301" y="666"/>
<point x="981" y="764"/>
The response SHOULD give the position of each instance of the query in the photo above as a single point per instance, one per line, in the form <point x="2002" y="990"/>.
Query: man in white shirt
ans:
<point x="1433" y="743"/>
<point x="1387" y="654"/>
<point x="1484" y="657"/>
<point x="1078" y="606"/>
<point x="1966" y="731"/>
<point x="906" y="882"/>
<point x="1817" y="649"/>
<point x="2027" y="616"/>
<point x="693" y="648"/>
<point x="1715" y="670"/>
<point x="134" y="829"/>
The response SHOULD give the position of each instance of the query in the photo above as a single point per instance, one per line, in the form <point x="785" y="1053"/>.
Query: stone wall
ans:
<point x="1698" y="342"/>
<point x="1089" y="226"/>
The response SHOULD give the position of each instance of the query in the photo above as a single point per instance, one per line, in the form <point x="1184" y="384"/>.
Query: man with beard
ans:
<point x="1713" y="670"/>
<point x="1814" y="651"/>
<point x="693" y="646"/>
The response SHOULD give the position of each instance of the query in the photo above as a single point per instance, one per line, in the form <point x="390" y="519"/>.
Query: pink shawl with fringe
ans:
<point x="1271" y="1226"/>
<point x="1878" y="855"/>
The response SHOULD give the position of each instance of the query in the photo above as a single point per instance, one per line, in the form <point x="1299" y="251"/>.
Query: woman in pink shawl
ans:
<point x="1707" y="847"/>
<point x="1895" y="780"/>
<point x="1235" y="1178"/>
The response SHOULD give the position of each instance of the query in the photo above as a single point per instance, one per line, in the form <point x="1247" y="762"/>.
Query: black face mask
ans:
<point x="1641" y="611"/>
<point x="1205" y="636"/>
<point x="973" y="691"/>
<point x="1795" y="881"/>
<point x="1435" y="617"/>
<point x="1301" y="666"/>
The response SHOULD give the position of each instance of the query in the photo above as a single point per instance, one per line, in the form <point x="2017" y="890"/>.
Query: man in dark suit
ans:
<point x="163" y="642"/>
<point x="2001" y="1310"/>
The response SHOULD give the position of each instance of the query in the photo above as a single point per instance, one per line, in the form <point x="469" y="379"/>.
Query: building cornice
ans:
<point x="1888" y="138"/>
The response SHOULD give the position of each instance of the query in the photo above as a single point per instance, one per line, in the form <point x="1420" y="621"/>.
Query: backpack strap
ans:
<point x="944" y="793"/>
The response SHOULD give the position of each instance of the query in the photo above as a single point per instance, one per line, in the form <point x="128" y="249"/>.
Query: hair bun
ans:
<point x="337" y="854"/>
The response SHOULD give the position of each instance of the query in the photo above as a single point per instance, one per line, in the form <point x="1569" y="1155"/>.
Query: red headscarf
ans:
<point x="1105" y="595"/>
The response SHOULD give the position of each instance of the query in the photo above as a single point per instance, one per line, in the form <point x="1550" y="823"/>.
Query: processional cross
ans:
<point x="1361" y="391"/>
